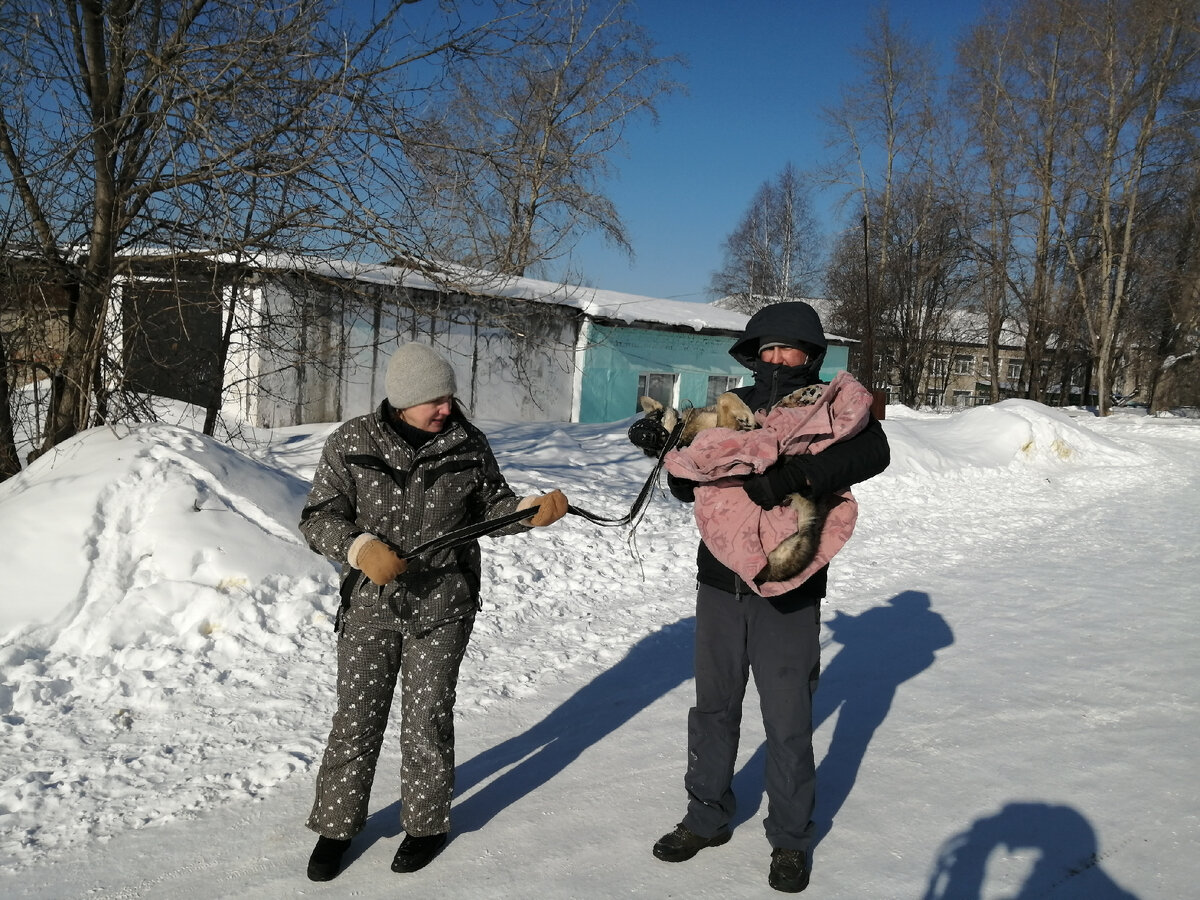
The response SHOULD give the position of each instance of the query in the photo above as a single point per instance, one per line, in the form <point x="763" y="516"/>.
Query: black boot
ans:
<point x="789" y="870"/>
<point x="683" y="843"/>
<point x="416" y="852"/>
<point x="326" y="859"/>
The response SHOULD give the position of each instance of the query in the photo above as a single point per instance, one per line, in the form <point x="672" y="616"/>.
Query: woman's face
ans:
<point x="784" y="356"/>
<point x="429" y="416"/>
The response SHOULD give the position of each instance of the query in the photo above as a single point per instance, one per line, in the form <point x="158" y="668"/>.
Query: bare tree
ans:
<point x="515" y="163"/>
<point x="10" y="463"/>
<point x="1013" y="78"/>
<point x="166" y="132"/>
<point x="1081" y="98"/>
<point x="774" y="251"/>
<point x="884" y="132"/>
<point x="1161" y="330"/>
<point x="883" y="125"/>
<point x="925" y="282"/>
<point x="922" y="283"/>
<point x="1142" y="53"/>
<point x="990" y="199"/>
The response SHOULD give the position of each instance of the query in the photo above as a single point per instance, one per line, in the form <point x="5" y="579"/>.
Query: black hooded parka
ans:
<point x="837" y="467"/>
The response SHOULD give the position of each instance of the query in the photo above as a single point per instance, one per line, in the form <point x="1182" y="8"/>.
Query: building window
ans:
<point x="658" y="386"/>
<point x="1014" y="369"/>
<point x="933" y="398"/>
<point x="964" y="365"/>
<point x="719" y="384"/>
<point x="962" y="398"/>
<point x="937" y="365"/>
<point x="985" y="368"/>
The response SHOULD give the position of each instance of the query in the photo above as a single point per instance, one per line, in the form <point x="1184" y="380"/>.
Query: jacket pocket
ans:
<point x="449" y="467"/>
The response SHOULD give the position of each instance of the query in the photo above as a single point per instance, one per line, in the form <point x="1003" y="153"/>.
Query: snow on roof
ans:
<point x="823" y="306"/>
<point x="969" y="326"/>
<point x="962" y="326"/>
<point x="592" y="302"/>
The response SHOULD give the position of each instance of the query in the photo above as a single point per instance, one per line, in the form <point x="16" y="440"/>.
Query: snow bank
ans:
<point x="1013" y="432"/>
<point x="169" y="653"/>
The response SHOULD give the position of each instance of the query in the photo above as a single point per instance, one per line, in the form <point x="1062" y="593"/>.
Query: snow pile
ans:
<point x="1013" y="432"/>
<point x="1006" y="656"/>
<point x="162" y="584"/>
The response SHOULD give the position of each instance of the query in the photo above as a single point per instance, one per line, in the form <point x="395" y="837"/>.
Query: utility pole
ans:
<point x="866" y="367"/>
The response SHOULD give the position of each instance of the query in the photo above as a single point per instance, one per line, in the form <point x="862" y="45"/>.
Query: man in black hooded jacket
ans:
<point x="778" y="637"/>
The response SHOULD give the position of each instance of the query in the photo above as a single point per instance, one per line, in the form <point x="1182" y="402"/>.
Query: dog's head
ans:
<point x="651" y="431"/>
<point x="665" y="415"/>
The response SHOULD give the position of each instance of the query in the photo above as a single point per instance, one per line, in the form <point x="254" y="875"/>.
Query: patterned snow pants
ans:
<point x="369" y="662"/>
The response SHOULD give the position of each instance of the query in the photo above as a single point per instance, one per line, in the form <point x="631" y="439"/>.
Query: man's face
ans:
<point x="429" y="416"/>
<point x="783" y="356"/>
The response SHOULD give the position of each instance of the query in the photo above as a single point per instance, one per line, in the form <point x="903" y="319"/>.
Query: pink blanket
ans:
<point x="739" y="532"/>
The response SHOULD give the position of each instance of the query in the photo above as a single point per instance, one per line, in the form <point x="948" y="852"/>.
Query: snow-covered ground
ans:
<point x="1008" y="707"/>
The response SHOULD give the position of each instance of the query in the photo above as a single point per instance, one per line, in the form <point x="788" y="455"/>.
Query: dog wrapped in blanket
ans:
<point x="793" y="554"/>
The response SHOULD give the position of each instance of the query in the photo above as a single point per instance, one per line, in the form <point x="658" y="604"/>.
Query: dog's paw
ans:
<point x="733" y="413"/>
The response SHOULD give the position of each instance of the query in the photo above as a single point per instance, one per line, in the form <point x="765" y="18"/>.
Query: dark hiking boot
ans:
<point x="789" y="870"/>
<point x="326" y="859"/>
<point x="683" y="843"/>
<point x="416" y="852"/>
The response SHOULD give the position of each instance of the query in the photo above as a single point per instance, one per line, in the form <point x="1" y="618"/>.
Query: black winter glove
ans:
<point x="682" y="489"/>
<point x="772" y="487"/>
<point x="761" y="491"/>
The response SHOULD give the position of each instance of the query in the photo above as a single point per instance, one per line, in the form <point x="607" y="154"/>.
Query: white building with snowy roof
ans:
<point x="308" y="341"/>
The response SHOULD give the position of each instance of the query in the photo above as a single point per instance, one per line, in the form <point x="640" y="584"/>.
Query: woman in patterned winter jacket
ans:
<point x="413" y="470"/>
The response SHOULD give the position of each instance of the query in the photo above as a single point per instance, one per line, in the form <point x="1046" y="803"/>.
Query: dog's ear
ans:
<point x="649" y="404"/>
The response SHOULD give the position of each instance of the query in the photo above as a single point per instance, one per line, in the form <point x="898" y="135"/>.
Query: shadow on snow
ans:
<point x="882" y="648"/>
<point x="653" y="667"/>
<point x="1058" y="841"/>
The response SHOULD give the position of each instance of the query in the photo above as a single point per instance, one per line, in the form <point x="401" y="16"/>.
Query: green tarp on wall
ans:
<point x="614" y="358"/>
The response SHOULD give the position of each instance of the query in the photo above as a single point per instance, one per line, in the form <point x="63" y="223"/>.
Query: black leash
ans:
<point x="468" y="533"/>
<point x="639" y="504"/>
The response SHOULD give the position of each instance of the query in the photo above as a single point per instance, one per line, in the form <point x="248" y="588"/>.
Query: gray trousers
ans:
<point x="370" y="660"/>
<point x="734" y="635"/>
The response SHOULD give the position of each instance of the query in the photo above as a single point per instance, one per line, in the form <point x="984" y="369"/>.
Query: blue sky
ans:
<point x="760" y="72"/>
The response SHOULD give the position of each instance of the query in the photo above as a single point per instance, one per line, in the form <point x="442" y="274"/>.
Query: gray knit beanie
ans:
<point x="417" y="374"/>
